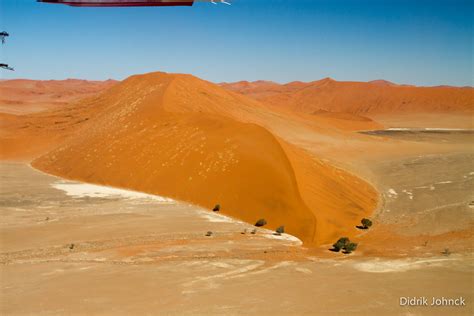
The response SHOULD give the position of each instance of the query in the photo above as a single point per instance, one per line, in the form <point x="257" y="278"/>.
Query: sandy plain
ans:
<point x="146" y="255"/>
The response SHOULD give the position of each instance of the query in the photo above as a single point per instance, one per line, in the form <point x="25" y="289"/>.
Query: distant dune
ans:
<point x="189" y="139"/>
<point x="261" y="89"/>
<point x="346" y="121"/>
<point x="361" y="98"/>
<point x="21" y="96"/>
<point x="256" y="89"/>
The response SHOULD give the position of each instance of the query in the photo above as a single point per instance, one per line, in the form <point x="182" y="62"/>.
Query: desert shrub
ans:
<point x="341" y="243"/>
<point x="350" y="247"/>
<point x="209" y="233"/>
<point x="217" y="208"/>
<point x="280" y="230"/>
<point x="446" y="252"/>
<point x="261" y="222"/>
<point x="366" y="223"/>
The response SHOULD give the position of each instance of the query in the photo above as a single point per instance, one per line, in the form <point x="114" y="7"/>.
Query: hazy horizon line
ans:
<point x="245" y="80"/>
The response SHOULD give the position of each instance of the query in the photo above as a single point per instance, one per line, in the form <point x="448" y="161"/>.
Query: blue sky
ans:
<point x="422" y="42"/>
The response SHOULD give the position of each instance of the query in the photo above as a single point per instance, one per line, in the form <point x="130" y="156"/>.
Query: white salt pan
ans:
<point x="401" y="265"/>
<point x="81" y="190"/>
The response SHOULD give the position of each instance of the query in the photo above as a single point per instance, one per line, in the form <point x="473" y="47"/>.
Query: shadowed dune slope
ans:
<point x="361" y="98"/>
<point x="338" y="199"/>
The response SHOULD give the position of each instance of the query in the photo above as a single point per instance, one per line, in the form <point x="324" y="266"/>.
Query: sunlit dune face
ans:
<point x="184" y="138"/>
<point x="364" y="98"/>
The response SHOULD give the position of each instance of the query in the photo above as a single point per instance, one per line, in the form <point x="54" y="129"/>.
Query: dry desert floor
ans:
<point x="74" y="248"/>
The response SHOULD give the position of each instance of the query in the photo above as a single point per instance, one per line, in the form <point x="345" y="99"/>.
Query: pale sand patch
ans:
<point x="286" y="237"/>
<point x="222" y="265"/>
<point x="245" y="269"/>
<point x="398" y="129"/>
<point x="218" y="218"/>
<point x="406" y="129"/>
<point x="56" y="271"/>
<point x="303" y="270"/>
<point x="392" y="193"/>
<point x="81" y="190"/>
<point x="446" y="129"/>
<point x="399" y="265"/>
<point x="278" y="265"/>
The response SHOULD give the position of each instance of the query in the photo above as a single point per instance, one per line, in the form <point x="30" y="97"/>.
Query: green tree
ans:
<point x="261" y="222"/>
<point x="366" y="223"/>
<point x="280" y="230"/>
<point x="350" y="247"/>
<point x="341" y="243"/>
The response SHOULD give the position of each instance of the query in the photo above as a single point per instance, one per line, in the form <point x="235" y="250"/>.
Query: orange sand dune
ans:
<point x="182" y="137"/>
<point x="138" y="142"/>
<point x="204" y="160"/>
<point x="345" y="121"/>
<point x="261" y="88"/>
<point x="21" y="96"/>
<point x="24" y="137"/>
<point x="256" y="89"/>
<point x="337" y="198"/>
<point x="383" y="83"/>
<point x="364" y="98"/>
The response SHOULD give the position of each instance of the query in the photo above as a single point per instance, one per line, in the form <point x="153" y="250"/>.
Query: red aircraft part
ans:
<point x="122" y="3"/>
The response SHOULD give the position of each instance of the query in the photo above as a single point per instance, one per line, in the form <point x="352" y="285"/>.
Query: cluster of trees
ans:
<point x="262" y="222"/>
<point x="344" y="244"/>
